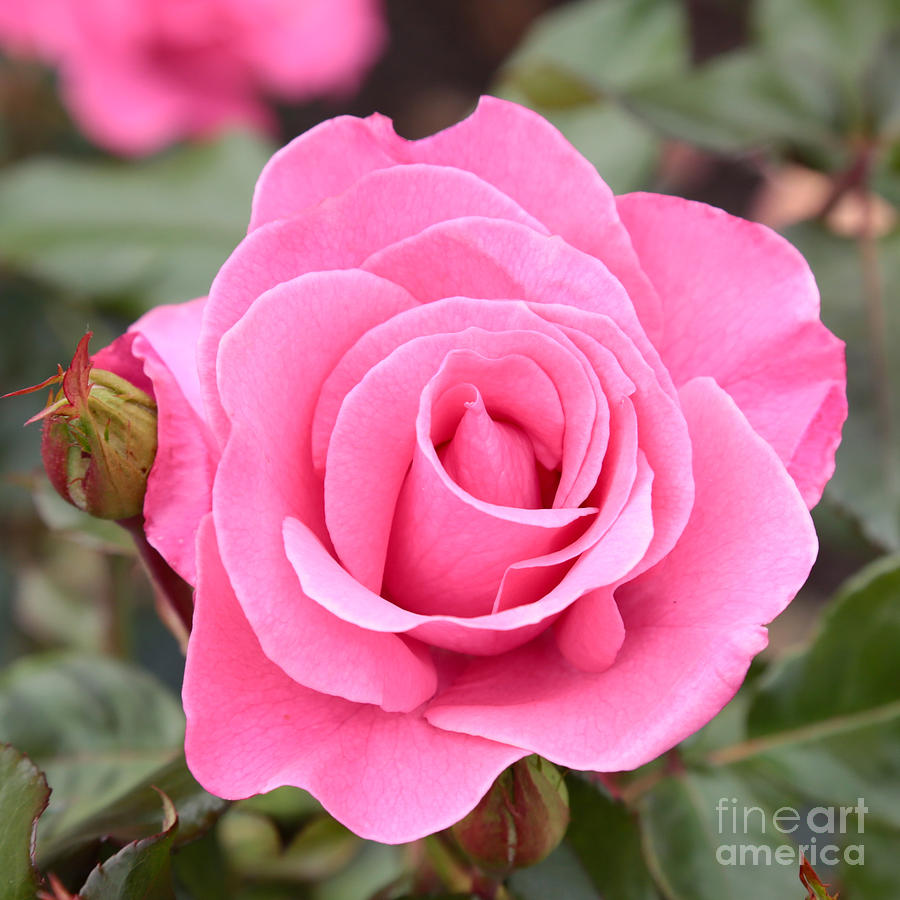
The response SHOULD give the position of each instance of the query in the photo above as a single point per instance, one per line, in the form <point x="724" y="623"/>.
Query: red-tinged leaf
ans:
<point x="812" y="883"/>
<point x="51" y="407"/>
<point x="57" y="891"/>
<point x="53" y="379"/>
<point x="76" y="381"/>
<point x="139" y="871"/>
<point x="23" y="797"/>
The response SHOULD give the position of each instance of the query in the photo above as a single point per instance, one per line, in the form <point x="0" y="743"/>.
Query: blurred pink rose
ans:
<point x="481" y="461"/>
<point x="139" y="74"/>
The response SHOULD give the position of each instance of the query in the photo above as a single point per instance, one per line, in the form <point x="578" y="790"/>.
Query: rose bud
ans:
<point x="520" y="820"/>
<point x="99" y="438"/>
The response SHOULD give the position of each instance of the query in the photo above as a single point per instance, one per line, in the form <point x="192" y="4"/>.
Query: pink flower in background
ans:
<point x="139" y="74"/>
<point x="470" y="459"/>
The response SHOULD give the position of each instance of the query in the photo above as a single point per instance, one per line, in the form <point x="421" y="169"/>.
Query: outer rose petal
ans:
<point x="692" y="623"/>
<point x="163" y="342"/>
<point x="389" y="777"/>
<point x="266" y="474"/>
<point x="740" y="304"/>
<point x="381" y="208"/>
<point x="489" y="143"/>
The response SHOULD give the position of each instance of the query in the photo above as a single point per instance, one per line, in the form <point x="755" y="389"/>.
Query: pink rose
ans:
<point x="139" y="74"/>
<point x="481" y="462"/>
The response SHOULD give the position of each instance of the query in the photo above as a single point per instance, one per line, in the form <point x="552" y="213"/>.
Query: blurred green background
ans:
<point x="784" y="112"/>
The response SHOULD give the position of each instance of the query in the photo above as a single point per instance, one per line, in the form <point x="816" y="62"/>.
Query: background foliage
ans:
<point x="788" y="113"/>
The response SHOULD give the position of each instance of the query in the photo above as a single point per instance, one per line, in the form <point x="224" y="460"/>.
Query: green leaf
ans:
<point x="559" y="875"/>
<point x="140" y="871"/>
<point x="160" y="229"/>
<point x="23" y="797"/>
<point x="851" y="668"/>
<point x="201" y="869"/>
<point x="249" y="840"/>
<point x="606" y="838"/>
<point x="55" y="601"/>
<point x="580" y="62"/>
<point x="695" y="854"/>
<point x="883" y="86"/>
<point x="135" y="813"/>
<point x="601" y="47"/>
<point x="737" y="101"/>
<point x="866" y="482"/>
<point x="95" y="726"/>
<point x="821" y="740"/>
<point x="827" y="722"/>
<point x="833" y="42"/>
<point x="874" y="875"/>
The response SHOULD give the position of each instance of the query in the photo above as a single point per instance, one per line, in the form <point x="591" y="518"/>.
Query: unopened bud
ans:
<point x="99" y="438"/>
<point x="520" y="820"/>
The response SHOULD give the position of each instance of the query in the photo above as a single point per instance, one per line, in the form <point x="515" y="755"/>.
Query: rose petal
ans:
<point x="662" y="433"/>
<point x="325" y="581"/>
<point x="266" y="474"/>
<point x="172" y="333"/>
<point x="527" y="580"/>
<point x="692" y="623"/>
<point x="118" y="358"/>
<point x="250" y="729"/>
<point x="539" y="412"/>
<point x="163" y="342"/>
<point x="740" y="304"/>
<point x="591" y="632"/>
<point x="376" y="422"/>
<point x="491" y="460"/>
<point x="383" y="207"/>
<point x="498" y="259"/>
<point x="328" y="583"/>
<point x="570" y="198"/>
<point x="306" y="171"/>
<point x="433" y="564"/>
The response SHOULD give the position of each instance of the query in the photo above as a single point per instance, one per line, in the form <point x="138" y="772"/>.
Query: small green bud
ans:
<point x="99" y="438"/>
<point x="520" y="820"/>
